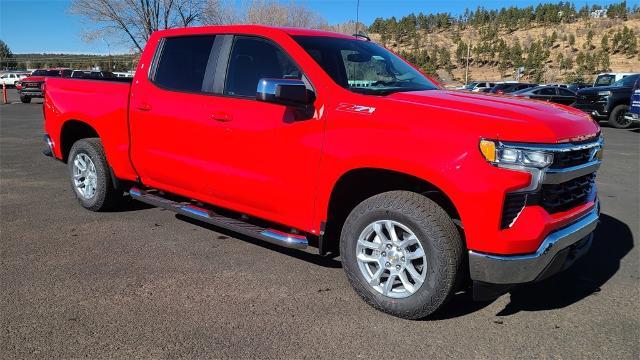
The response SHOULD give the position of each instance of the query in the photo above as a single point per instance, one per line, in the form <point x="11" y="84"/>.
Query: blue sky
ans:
<point x="46" y="25"/>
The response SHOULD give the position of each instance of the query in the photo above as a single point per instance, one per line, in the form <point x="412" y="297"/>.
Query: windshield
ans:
<point x="363" y="66"/>
<point x="604" y="80"/>
<point x="627" y="81"/>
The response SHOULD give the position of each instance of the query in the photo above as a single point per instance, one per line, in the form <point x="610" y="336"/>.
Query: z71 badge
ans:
<point x="358" y="109"/>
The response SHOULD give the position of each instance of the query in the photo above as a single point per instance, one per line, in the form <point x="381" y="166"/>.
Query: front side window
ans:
<point x="565" y="92"/>
<point x="252" y="59"/>
<point x="183" y="63"/>
<point x="363" y="66"/>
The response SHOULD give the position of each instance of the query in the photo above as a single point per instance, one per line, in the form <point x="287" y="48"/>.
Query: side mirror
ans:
<point x="291" y="92"/>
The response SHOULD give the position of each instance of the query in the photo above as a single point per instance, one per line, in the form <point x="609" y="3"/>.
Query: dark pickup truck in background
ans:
<point x="609" y="103"/>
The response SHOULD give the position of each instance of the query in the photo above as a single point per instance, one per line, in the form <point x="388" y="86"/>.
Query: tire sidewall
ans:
<point x="613" y="119"/>
<point x="102" y="174"/>
<point x="433" y="291"/>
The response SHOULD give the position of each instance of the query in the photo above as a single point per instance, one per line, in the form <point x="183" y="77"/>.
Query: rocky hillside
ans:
<point x="548" y="51"/>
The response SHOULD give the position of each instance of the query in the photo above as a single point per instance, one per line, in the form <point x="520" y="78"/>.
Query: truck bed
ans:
<point x="103" y="104"/>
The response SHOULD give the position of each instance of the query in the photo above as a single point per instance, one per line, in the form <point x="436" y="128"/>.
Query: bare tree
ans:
<point x="264" y="12"/>
<point x="136" y="20"/>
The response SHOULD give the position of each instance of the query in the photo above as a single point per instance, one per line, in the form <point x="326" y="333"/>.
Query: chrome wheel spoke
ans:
<point x="406" y="283"/>
<point x="411" y="240"/>
<point x="388" y="285"/>
<point x="415" y="276"/>
<point x="377" y="227"/>
<point x="367" y="258"/>
<point x="375" y="278"/>
<point x="369" y="244"/>
<point x="391" y="229"/>
<point x="419" y="253"/>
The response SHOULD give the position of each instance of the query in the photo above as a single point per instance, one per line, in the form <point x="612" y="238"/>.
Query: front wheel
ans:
<point x="90" y="176"/>
<point x="402" y="254"/>
<point x="617" y="118"/>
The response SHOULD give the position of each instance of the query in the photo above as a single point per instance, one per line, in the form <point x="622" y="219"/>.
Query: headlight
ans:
<point x="499" y="154"/>
<point x="604" y="93"/>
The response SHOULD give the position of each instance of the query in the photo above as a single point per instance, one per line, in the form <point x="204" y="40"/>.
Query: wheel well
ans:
<point x="72" y="131"/>
<point x="357" y="185"/>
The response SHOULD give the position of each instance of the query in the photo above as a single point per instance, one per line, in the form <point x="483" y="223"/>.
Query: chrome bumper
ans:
<point x="497" y="269"/>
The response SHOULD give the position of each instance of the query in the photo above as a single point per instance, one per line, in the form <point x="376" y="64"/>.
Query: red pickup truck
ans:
<point x="301" y="137"/>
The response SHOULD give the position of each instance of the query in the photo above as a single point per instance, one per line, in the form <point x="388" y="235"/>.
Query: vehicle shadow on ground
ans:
<point x="328" y="262"/>
<point x="129" y="204"/>
<point x="612" y="241"/>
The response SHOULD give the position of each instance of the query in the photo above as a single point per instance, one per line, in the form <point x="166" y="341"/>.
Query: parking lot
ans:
<point x="143" y="282"/>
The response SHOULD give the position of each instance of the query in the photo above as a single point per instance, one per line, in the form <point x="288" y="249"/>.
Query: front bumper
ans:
<point x="598" y="110"/>
<point x="32" y="92"/>
<point x="558" y="250"/>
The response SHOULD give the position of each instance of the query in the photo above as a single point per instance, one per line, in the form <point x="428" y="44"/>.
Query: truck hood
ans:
<point x="510" y="118"/>
<point x="594" y="90"/>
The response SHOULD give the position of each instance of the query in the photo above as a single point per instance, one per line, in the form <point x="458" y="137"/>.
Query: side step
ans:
<point x="273" y="236"/>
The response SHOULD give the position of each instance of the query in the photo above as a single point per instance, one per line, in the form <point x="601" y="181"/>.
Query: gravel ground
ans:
<point x="145" y="283"/>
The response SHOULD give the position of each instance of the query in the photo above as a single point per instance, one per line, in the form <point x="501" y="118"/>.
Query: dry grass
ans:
<point x="618" y="62"/>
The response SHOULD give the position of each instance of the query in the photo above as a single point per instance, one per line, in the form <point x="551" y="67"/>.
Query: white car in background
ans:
<point x="12" y="79"/>
<point x="477" y="86"/>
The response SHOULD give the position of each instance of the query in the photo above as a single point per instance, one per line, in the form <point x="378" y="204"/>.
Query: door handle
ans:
<point x="221" y="117"/>
<point x="143" y="107"/>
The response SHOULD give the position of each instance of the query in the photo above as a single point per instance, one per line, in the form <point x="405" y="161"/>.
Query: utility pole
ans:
<point x="466" y="71"/>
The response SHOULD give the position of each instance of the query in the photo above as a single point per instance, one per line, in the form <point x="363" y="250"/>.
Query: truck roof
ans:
<point x="249" y="29"/>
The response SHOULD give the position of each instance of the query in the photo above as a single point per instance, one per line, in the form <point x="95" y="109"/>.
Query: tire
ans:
<point x="103" y="196"/>
<point x="25" y="99"/>
<point x="617" y="120"/>
<point x="436" y="234"/>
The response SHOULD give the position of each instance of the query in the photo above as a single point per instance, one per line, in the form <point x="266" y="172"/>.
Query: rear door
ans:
<point x="172" y="130"/>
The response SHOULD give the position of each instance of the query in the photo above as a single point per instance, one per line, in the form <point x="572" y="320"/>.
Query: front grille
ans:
<point x="566" y="159"/>
<point x="32" y="85"/>
<point x="561" y="197"/>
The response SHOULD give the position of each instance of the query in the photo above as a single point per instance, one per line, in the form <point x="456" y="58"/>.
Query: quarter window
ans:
<point x="252" y="59"/>
<point x="183" y="63"/>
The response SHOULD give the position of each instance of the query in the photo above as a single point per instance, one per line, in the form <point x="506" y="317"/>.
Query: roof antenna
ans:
<point x="357" y="34"/>
<point x="357" y="16"/>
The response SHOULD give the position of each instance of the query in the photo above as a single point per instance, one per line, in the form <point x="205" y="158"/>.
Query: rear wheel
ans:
<point x="401" y="253"/>
<point x="90" y="176"/>
<point x="25" y="99"/>
<point x="617" y="118"/>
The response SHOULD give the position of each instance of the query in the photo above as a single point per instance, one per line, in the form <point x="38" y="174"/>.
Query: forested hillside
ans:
<point x="552" y="42"/>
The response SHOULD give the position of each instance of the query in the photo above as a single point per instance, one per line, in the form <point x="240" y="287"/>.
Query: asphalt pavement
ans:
<point x="145" y="283"/>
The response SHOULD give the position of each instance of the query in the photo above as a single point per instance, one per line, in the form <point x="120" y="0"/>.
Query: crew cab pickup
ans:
<point x="310" y="138"/>
<point x="609" y="103"/>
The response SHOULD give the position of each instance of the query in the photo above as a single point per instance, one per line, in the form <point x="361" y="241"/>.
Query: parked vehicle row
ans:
<point x="32" y="86"/>
<point x="302" y="137"/>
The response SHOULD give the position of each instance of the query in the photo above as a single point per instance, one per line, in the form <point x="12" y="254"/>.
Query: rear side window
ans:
<point x="546" y="91"/>
<point x="183" y="63"/>
<point x="565" y="92"/>
<point x="252" y="59"/>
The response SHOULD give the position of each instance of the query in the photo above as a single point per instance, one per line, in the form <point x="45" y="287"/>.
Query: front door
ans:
<point x="269" y="166"/>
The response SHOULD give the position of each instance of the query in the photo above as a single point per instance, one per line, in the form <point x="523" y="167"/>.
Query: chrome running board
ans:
<point x="273" y="236"/>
